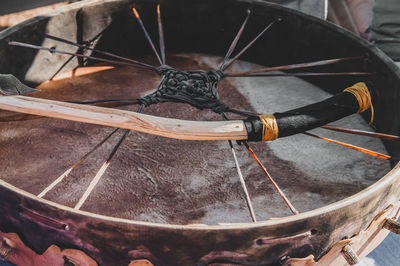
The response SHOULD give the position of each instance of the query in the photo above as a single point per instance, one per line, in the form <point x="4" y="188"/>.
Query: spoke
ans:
<point x="62" y="67"/>
<point x="242" y="182"/>
<point x="76" y="164"/>
<point x="161" y="34"/>
<point x="101" y="172"/>
<point x="249" y="45"/>
<point x="108" y="102"/>
<point x="51" y="50"/>
<point x="147" y="35"/>
<point x="362" y="133"/>
<point x="234" y="42"/>
<point x="87" y="47"/>
<point x="72" y="56"/>
<point x="294" y="66"/>
<point x="280" y="192"/>
<point x="103" y="168"/>
<point x="305" y="74"/>
<point x="363" y="150"/>
<point x="242" y="112"/>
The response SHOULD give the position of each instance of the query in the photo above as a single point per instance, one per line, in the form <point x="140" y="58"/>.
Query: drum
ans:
<point x="77" y="193"/>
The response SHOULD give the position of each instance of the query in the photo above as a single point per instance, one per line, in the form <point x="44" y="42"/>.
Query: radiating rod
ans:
<point x="243" y="183"/>
<point x="71" y="57"/>
<point x="52" y="50"/>
<point x="87" y="47"/>
<point x="104" y="167"/>
<point x="363" y="150"/>
<point x="161" y="34"/>
<point x="362" y="133"/>
<point x="101" y="172"/>
<point x="76" y="164"/>
<point x="306" y="74"/>
<point x="147" y="35"/>
<point x="235" y="41"/>
<point x="280" y="192"/>
<point x="250" y="44"/>
<point x="294" y="66"/>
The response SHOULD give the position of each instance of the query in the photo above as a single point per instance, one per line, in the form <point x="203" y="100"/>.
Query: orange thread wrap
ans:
<point x="361" y="92"/>
<point x="270" y="127"/>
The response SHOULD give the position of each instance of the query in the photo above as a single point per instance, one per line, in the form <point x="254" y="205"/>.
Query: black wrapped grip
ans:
<point x="308" y="117"/>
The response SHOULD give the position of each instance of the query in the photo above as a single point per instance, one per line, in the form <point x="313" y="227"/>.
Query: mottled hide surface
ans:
<point x="171" y="181"/>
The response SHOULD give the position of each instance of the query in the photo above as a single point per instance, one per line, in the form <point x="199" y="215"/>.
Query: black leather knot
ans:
<point x="197" y="88"/>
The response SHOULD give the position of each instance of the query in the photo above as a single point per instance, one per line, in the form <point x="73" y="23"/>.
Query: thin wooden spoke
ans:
<point x="242" y="182"/>
<point x="108" y="102"/>
<point x="249" y="45"/>
<point x="234" y="42"/>
<point x="294" y="66"/>
<point x="52" y="50"/>
<point x="280" y="192"/>
<point x="104" y="167"/>
<point x="87" y="47"/>
<point x="161" y="34"/>
<point x="306" y="74"/>
<point x="147" y="35"/>
<point x="363" y="150"/>
<point x="79" y="35"/>
<point x="242" y="112"/>
<point x="76" y="164"/>
<point x="62" y="67"/>
<point x="362" y="133"/>
<point x="90" y="42"/>
<point x="101" y="172"/>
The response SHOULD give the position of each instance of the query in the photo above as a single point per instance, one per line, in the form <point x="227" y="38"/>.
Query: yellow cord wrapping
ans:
<point x="361" y="92"/>
<point x="270" y="127"/>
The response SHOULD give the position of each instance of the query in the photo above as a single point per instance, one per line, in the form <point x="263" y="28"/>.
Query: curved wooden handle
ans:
<point x="165" y="127"/>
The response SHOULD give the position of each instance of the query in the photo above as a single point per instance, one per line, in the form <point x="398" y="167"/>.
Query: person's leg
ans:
<point x="362" y="12"/>
<point x="386" y="27"/>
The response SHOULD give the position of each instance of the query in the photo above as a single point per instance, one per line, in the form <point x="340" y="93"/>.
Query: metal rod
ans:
<point x="294" y="66"/>
<point x="363" y="150"/>
<point x="234" y="42"/>
<point x="147" y="35"/>
<point x="250" y="44"/>
<point x="161" y="34"/>
<point x="51" y="50"/>
<point x="280" y="192"/>
<point x="76" y="164"/>
<point x="362" y="133"/>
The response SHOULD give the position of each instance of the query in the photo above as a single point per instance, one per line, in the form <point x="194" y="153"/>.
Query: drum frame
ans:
<point x="114" y="241"/>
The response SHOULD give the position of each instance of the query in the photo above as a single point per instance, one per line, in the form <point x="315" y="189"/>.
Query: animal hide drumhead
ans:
<point x="164" y="180"/>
